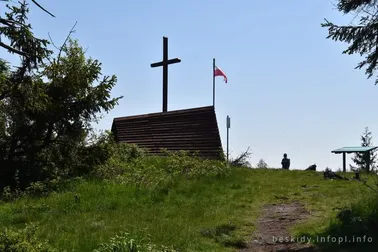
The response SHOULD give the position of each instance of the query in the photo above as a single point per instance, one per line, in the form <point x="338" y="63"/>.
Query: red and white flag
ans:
<point x="219" y="72"/>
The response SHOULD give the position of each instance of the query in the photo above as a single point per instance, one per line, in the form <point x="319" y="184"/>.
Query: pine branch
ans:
<point x="11" y="23"/>
<point x="13" y="50"/>
<point x="6" y="22"/>
<point x="347" y="6"/>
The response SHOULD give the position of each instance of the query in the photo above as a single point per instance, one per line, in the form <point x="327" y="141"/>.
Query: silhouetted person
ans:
<point x="285" y="162"/>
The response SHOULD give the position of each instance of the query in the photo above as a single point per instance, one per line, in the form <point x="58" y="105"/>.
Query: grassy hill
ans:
<point x="181" y="212"/>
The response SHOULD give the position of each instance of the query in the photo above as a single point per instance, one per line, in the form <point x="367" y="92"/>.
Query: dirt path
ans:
<point x="274" y="224"/>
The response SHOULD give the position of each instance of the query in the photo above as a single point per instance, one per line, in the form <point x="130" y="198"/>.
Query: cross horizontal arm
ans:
<point x="161" y="63"/>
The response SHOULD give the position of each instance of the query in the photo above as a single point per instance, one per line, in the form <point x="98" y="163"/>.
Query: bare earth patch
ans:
<point x="274" y="224"/>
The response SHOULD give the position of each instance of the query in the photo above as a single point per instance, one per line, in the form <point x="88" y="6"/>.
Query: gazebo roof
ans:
<point x="354" y="149"/>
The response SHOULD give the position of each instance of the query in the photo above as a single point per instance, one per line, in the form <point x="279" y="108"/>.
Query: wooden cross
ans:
<point x="165" y="64"/>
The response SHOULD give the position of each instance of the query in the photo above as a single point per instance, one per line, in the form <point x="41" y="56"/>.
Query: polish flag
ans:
<point x="219" y="72"/>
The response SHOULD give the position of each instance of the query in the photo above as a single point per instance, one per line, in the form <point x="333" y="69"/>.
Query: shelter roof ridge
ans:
<point x="351" y="149"/>
<point x="173" y="112"/>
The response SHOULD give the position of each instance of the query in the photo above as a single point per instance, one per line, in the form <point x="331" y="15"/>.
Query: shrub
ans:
<point x="125" y="243"/>
<point x="242" y="159"/>
<point x="23" y="241"/>
<point x="123" y="157"/>
<point x="155" y="171"/>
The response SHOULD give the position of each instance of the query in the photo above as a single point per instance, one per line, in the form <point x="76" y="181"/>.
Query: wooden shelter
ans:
<point x="193" y="129"/>
<point x="359" y="149"/>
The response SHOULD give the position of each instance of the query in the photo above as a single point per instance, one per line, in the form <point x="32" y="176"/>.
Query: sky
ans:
<point x="289" y="90"/>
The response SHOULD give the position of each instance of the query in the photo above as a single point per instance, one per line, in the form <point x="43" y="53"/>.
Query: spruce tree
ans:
<point x="360" y="34"/>
<point x="262" y="164"/>
<point x="48" y="104"/>
<point x="360" y="159"/>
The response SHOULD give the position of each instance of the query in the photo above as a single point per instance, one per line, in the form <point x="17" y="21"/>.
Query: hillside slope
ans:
<point x="209" y="214"/>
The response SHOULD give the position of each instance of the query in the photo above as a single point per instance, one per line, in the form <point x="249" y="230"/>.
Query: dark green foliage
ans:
<point x="361" y="37"/>
<point x="47" y="106"/>
<point x="361" y="159"/>
<point x="48" y="121"/>
<point x="122" y="157"/>
<point x="347" y="6"/>
<point x="15" y="28"/>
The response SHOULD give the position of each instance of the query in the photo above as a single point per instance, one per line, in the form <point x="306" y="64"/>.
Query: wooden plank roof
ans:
<point x="190" y="129"/>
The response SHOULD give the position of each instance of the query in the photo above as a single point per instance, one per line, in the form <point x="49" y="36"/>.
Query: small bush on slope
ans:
<point x="131" y="165"/>
<point x="23" y="241"/>
<point x="122" y="156"/>
<point x="125" y="243"/>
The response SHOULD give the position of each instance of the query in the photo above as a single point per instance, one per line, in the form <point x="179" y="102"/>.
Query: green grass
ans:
<point x="185" y="214"/>
<point x="355" y="228"/>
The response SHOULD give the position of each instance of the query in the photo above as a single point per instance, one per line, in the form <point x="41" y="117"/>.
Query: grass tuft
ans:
<point x="224" y="235"/>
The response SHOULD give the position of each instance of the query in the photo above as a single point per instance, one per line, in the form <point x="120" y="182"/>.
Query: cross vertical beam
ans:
<point x="165" y="74"/>
<point x="165" y="64"/>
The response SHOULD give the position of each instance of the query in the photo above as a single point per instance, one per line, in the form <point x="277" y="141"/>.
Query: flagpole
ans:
<point x="213" y="83"/>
